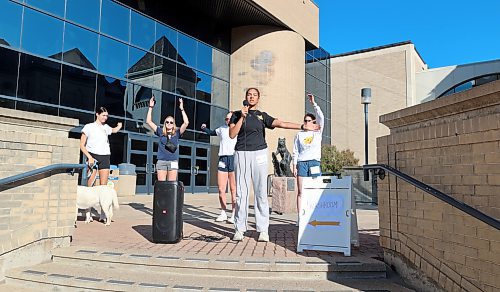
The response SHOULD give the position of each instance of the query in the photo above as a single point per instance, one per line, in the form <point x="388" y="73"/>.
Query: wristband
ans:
<point x="151" y="106"/>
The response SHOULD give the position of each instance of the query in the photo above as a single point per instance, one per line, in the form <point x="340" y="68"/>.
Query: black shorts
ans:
<point x="226" y="163"/>
<point x="103" y="161"/>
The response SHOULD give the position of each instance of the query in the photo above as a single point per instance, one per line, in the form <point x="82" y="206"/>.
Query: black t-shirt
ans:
<point x="252" y="135"/>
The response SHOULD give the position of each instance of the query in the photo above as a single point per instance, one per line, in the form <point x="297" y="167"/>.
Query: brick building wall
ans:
<point x="452" y="144"/>
<point x="39" y="215"/>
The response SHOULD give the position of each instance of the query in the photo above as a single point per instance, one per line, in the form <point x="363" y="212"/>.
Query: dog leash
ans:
<point x="91" y="170"/>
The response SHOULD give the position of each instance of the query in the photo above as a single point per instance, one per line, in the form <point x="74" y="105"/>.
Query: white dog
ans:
<point x="104" y="196"/>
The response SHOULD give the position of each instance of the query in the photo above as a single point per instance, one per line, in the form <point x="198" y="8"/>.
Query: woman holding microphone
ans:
<point x="251" y="161"/>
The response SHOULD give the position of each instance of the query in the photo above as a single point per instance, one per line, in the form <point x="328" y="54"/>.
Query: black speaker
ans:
<point x="168" y="200"/>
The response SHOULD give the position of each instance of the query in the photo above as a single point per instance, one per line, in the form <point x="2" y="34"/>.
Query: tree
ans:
<point x="333" y="160"/>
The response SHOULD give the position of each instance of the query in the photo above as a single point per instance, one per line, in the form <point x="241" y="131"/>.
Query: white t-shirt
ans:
<point x="97" y="138"/>
<point x="226" y="143"/>
<point x="307" y="144"/>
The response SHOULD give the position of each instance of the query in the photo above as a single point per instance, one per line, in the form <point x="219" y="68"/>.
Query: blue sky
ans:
<point x="445" y="32"/>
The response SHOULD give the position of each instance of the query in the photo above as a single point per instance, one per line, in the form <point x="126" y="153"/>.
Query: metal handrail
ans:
<point x="379" y="169"/>
<point x="62" y="166"/>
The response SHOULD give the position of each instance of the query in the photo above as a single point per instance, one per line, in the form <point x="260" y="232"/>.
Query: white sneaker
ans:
<point x="263" y="236"/>
<point x="238" y="236"/>
<point x="222" y="217"/>
<point x="231" y="219"/>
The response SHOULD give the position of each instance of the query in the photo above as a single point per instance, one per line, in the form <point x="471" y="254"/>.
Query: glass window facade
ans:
<point x="480" y="80"/>
<point x="68" y="57"/>
<point x="318" y="83"/>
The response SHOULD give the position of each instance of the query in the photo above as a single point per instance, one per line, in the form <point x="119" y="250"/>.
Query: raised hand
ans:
<point x="311" y="98"/>
<point x="181" y="104"/>
<point x="203" y="126"/>
<point x="152" y="101"/>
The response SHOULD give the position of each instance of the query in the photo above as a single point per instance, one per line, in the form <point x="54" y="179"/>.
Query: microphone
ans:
<point x="245" y="103"/>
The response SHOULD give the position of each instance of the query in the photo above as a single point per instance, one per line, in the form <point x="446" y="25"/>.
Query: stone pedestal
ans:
<point x="284" y="195"/>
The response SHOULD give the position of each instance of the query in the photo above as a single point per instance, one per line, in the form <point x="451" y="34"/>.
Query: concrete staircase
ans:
<point x="82" y="269"/>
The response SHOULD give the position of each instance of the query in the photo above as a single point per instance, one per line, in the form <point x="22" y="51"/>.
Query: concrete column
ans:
<point x="272" y="60"/>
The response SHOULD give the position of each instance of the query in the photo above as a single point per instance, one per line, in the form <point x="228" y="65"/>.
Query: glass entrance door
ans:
<point x="193" y="166"/>
<point x="141" y="151"/>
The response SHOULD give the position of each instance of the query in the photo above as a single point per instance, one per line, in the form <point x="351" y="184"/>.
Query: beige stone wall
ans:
<point x="42" y="209"/>
<point x="301" y="16"/>
<point x="277" y="69"/>
<point x="452" y="144"/>
<point x="385" y="72"/>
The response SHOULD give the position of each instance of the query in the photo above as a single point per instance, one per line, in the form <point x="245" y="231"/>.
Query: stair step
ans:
<point x="74" y="277"/>
<point x="307" y="268"/>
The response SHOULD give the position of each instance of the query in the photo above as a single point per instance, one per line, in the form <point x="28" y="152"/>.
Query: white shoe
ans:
<point x="263" y="236"/>
<point x="222" y="217"/>
<point x="231" y="219"/>
<point x="238" y="236"/>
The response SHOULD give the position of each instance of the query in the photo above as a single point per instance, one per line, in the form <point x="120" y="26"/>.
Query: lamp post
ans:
<point x="366" y="99"/>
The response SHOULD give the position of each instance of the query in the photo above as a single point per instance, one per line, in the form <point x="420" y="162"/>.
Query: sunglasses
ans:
<point x="227" y="119"/>
<point x="307" y="121"/>
<point x="169" y="122"/>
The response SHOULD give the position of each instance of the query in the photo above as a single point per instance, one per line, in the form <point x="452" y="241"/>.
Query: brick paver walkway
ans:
<point x="131" y="230"/>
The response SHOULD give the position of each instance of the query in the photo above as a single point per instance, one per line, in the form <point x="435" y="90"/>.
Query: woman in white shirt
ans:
<point x="94" y="144"/>
<point x="307" y="148"/>
<point x="225" y="167"/>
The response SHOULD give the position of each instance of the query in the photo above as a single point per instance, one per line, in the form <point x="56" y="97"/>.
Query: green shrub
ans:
<point x="333" y="160"/>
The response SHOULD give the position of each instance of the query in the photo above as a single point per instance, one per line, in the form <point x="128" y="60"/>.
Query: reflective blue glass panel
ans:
<point x="189" y="108"/>
<point x="142" y="31"/>
<point x="80" y="47"/>
<point x="167" y="104"/>
<point x="10" y="23"/>
<point x="84" y="12"/>
<point x="9" y="60"/>
<point x="137" y="102"/>
<point x="204" y="59"/>
<point x="39" y="79"/>
<point x="202" y="115"/>
<point x="141" y="67"/>
<point x="464" y="86"/>
<point x="42" y="34"/>
<point x="187" y="48"/>
<point x="53" y="6"/>
<point x="83" y="118"/>
<point x="204" y="87"/>
<point x="113" y="57"/>
<point x="36" y="108"/>
<point x="78" y="88"/>
<point x="115" y="20"/>
<point x="111" y="95"/>
<point x="165" y="72"/>
<point x="186" y="81"/>
<point x="166" y="41"/>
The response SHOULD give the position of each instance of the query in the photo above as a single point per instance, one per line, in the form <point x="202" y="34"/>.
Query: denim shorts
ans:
<point x="226" y="163"/>
<point x="309" y="168"/>
<point x="167" y="165"/>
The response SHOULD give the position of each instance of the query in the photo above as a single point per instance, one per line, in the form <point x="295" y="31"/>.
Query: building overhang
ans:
<point x="212" y="20"/>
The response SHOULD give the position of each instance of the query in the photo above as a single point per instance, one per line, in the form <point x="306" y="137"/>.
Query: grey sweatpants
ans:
<point x="251" y="166"/>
